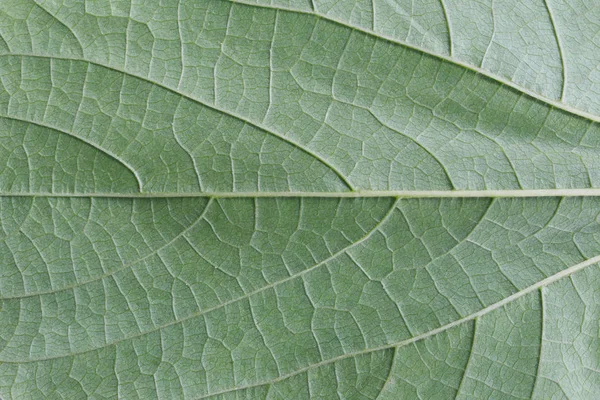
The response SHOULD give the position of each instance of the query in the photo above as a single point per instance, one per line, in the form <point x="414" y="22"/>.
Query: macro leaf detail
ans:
<point x="294" y="199"/>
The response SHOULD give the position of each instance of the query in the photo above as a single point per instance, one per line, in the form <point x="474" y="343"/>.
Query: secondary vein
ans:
<point x="543" y="283"/>
<point x="539" y="97"/>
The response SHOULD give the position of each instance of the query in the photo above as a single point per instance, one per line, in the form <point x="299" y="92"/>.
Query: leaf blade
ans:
<point x="351" y="200"/>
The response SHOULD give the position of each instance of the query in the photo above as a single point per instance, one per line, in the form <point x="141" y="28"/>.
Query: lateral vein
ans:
<point x="543" y="283"/>
<point x="481" y="71"/>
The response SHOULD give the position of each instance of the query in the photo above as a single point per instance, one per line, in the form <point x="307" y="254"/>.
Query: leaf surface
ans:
<point x="299" y="199"/>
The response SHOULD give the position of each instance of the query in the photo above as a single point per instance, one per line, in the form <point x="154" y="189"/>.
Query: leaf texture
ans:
<point x="299" y="199"/>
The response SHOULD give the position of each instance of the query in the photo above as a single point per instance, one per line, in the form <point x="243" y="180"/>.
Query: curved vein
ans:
<point x="537" y="375"/>
<point x="60" y="23"/>
<point x="543" y="283"/>
<point x="471" y="353"/>
<point x="241" y="118"/>
<point x="116" y="270"/>
<point x="185" y="149"/>
<point x="448" y="26"/>
<point x="560" y="51"/>
<point x="390" y="373"/>
<point x="480" y="71"/>
<point x="492" y="37"/>
<point x="3" y="42"/>
<point x="412" y="140"/>
<point x="200" y="313"/>
<point x="89" y="143"/>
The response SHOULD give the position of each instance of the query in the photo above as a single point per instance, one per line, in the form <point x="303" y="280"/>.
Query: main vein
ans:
<point x="492" y="193"/>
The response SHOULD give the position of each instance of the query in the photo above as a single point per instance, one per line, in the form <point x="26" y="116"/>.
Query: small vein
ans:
<point x="484" y="311"/>
<point x="123" y="267"/>
<point x="271" y="69"/>
<point x="192" y="159"/>
<point x="449" y="27"/>
<point x="187" y="151"/>
<point x="464" y="375"/>
<point x="478" y="70"/>
<point x="390" y="374"/>
<point x="89" y="143"/>
<point x="181" y="46"/>
<point x="537" y="373"/>
<point x="416" y="142"/>
<point x="55" y="18"/>
<point x="560" y="51"/>
<point x="247" y="121"/>
<point x="492" y="37"/>
<point x="200" y="313"/>
<point x="374" y="19"/>
<point x="4" y="42"/>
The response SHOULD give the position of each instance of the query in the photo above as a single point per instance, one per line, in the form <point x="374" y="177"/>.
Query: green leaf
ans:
<point x="299" y="199"/>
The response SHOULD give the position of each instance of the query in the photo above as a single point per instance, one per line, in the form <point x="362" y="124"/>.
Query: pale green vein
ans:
<point x="373" y="18"/>
<point x="411" y="139"/>
<point x="484" y="311"/>
<point x="181" y="44"/>
<point x="200" y="313"/>
<point x="85" y="141"/>
<point x="391" y="372"/>
<point x="407" y="194"/>
<point x="561" y="51"/>
<point x="4" y="43"/>
<point x="481" y="71"/>
<point x="117" y="270"/>
<point x="241" y="118"/>
<point x="61" y="23"/>
<point x="464" y="375"/>
<point x="492" y="37"/>
<point x="448" y="27"/>
<point x="189" y="153"/>
<point x="543" y="307"/>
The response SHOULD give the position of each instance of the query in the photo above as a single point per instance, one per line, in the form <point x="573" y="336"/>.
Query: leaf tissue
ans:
<point x="299" y="199"/>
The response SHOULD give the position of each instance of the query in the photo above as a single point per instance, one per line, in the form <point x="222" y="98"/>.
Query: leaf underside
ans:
<point x="295" y="199"/>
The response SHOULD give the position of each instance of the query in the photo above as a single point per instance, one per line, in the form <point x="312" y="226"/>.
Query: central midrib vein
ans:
<point x="501" y="193"/>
